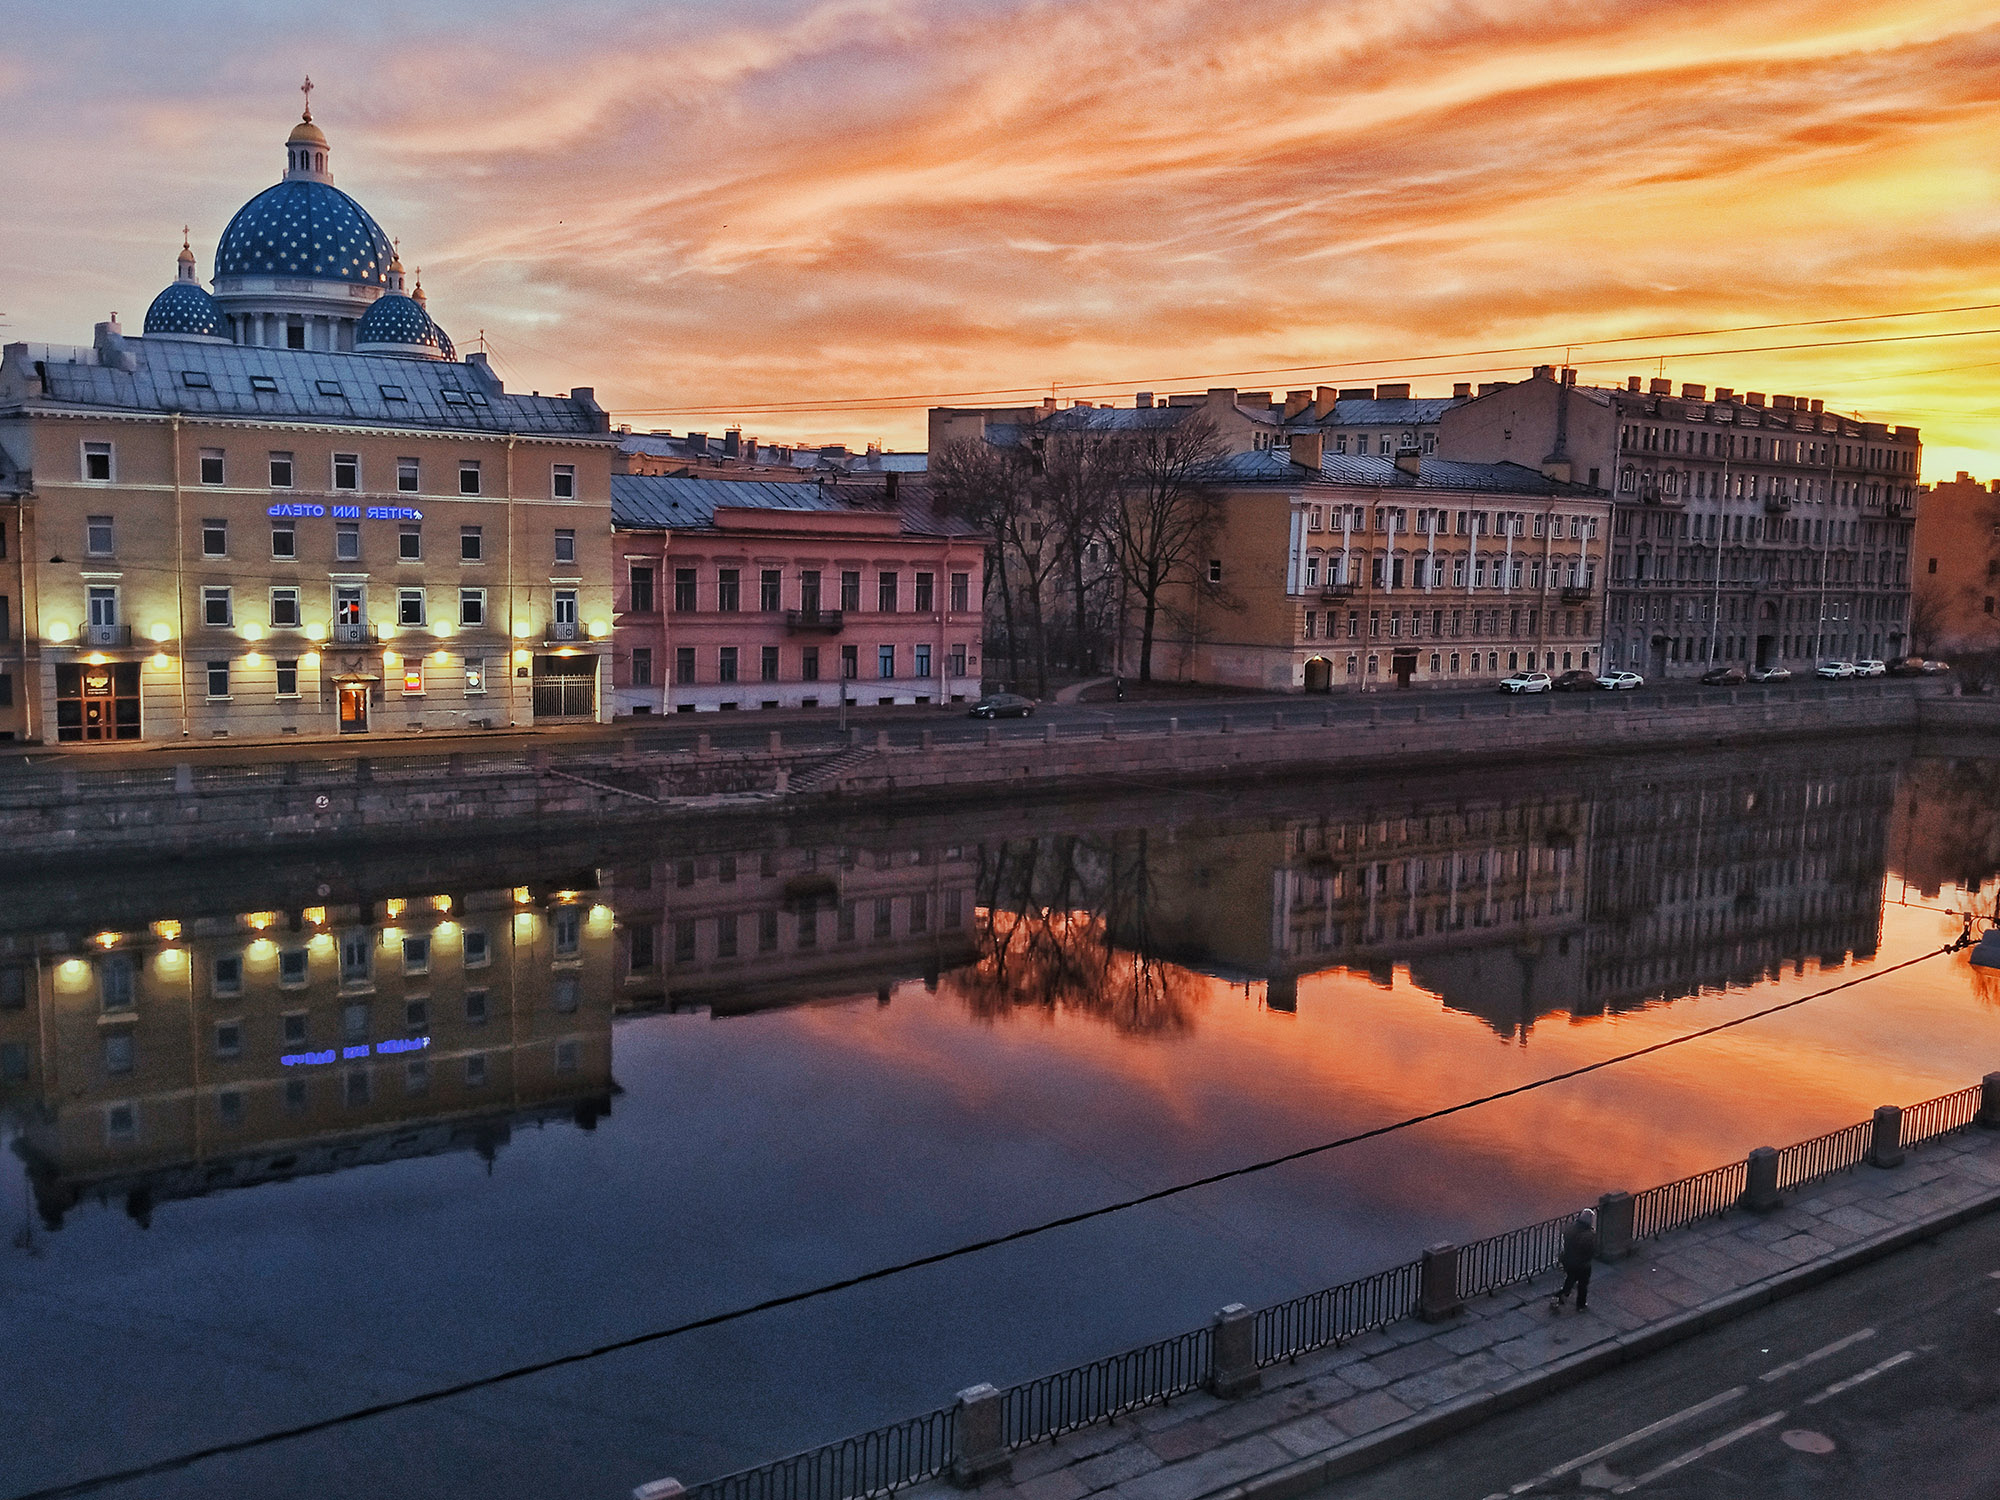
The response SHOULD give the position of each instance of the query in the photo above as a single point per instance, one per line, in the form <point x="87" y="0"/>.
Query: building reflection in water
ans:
<point x="180" y="1055"/>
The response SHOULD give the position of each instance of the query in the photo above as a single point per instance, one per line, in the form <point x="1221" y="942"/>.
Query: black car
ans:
<point x="1576" y="682"/>
<point x="1724" y="677"/>
<point x="1002" y="706"/>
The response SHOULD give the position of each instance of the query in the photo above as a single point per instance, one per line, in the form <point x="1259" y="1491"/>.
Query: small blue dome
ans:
<point x="184" y="310"/>
<point x="445" y="346"/>
<point x="307" y="229"/>
<point x="397" y="319"/>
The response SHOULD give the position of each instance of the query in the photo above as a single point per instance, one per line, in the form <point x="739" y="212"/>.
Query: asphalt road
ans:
<point x="1882" y="1382"/>
<point x="949" y="725"/>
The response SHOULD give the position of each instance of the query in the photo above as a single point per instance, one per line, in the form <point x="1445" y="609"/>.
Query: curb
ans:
<point x="1368" y="1451"/>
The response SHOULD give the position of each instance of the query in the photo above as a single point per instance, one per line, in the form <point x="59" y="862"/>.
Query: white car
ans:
<point x="1612" y="681"/>
<point x="1526" y="682"/>
<point x="1871" y="669"/>
<point x="1770" y="674"/>
<point x="1832" y="669"/>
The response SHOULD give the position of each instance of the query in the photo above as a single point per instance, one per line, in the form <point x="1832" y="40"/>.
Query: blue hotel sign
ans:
<point x="293" y="511"/>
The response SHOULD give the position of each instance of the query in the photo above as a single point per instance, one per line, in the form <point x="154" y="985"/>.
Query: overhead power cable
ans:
<point x="882" y="1273"/>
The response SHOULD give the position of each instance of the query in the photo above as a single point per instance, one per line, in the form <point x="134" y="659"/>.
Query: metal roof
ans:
<point x="653" y="502"/>
<point x="298" y="385"/>
<point x="1273" y="466"/>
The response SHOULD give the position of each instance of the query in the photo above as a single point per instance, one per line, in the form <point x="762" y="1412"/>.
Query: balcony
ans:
<point x="1777" y="505"/>
<point x="1345" y="590"/>
<point x="813" y="621"/>
<point x="354" y="633"/>
<point x="105" y="635"/>
<point x="1577" y="593"/>
<point x="562" y="632"/>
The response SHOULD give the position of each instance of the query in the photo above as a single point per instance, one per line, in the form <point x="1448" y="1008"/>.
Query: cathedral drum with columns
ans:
<point x="289" y="508"/>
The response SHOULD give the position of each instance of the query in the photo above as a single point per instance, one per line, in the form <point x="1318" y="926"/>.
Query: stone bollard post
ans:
<point x="68" y="787"/>
<point x="183" y="777"/>
<point x="289" y="775"/>
<point x="660" y="1489"/>
<point x="784" y="783"/>
<point x="1614" y="1226"/>
<point x="1233" y="1339"/>
<point x="992" y="734"/>
<point x="364" y="769"/>
<point x="854" y="739"/>
<point x="1590" y="703"/>
<point x="1549" y="704"/>
<point x="1174" y="724"/>
<point x="1508" y="711"/>
<point x="1110" y="730"/>
<point x="980" y="1449"/>
<point x="1227" y="723"/>
<point x="1438" y="1299"/>
<point x="881" y="742"/>
<point x="1048" y="734"/>
<point x="1420" y="713"/>
<point x="777" y="742"/>
<point x="925" y="741"/>
<point x="1760" y="1181"/>
<point x="1733" y="700"/>
<point x="1277" y="721"/>
<point x="1988" y="1117"/>
<point x="1465" y="710"/>
<point x="454" y="765"/>
<point x="1886" y="1148"/>
<point x="1374" y="717"/>
<point x="1326" y="718"/>
<point x="703" y="745"/>
<point x="628" y="743"/>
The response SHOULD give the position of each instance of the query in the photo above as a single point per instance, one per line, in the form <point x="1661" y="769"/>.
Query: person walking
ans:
<point x="1579" y="1251"/>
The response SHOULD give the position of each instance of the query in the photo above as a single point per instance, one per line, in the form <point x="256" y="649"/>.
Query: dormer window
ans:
<point x="265" y="383"/>
<point x="453" y="396"/>
<point x="393" y="393"/>
<point x="195" y="380"/>
<point x="329" y="388"/>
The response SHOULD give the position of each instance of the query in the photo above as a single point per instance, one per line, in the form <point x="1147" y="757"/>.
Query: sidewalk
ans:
<point x="1342" y="1410"/>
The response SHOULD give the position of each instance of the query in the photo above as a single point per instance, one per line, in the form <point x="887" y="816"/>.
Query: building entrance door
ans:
<point x="97" y="701"/>
<point x="1766" y="646"/>
<point x="1659" y="671"/>
<point x="354" y="708"/>
<point x="1404" y="665"/>
<point x="1319" y="675"/>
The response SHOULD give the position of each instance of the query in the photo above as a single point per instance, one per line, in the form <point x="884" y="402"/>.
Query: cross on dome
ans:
<point x="306" y="88"/>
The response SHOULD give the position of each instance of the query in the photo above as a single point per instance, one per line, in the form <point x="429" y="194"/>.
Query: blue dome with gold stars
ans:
<point x="305" y="228"/>
<point x="184" y="310"/>
<point x="396" y="318"/>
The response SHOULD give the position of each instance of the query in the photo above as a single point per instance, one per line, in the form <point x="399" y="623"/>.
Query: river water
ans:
<point x="290" y="1137"/>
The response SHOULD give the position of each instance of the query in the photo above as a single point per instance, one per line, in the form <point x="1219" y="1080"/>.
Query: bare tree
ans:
<point x="993" y="487"/>
<point x="1082" y="476"/>
<point x="1930" y="607"/>
<point x="1168" y="514"/>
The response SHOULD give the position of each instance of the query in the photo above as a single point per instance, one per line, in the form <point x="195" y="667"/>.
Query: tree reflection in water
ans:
<point x="1044" y="945"/>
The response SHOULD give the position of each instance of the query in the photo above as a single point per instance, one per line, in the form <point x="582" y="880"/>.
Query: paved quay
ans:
<point x="1397" y="1390"/>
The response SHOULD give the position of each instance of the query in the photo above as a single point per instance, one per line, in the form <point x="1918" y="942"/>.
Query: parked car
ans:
<point x="1870" y="668"/>
<point x="1526" y="682"/>
<point x="1933" y="668"/>
<point x="1832" y="669"/>
<point x="1724" y="677"/>
<point x="1907" y="666"/>
<point x="1577" y="681"/>
<point x="1770" y="674"/>
<point x="1002" y="706"/>
<point x="1613" y="681"/>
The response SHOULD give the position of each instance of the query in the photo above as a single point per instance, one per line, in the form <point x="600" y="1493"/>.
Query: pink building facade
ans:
<point x="734" y="595"/>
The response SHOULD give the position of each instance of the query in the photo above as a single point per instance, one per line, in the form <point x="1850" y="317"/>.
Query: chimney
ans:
<point x="1632" y="384"/>
<point x="112" y="351"/>
<point x="1393" y="392"/>
<point x="1358" y="393"/>
<point x="1753" y="398"/>
<point x="697" y="442"/>
<point x="1308" y="449"/>
<point x="732" y="443"/>
<point x="1543" y="372"/>
<point x="1143" y="401"/>
<point x="1323" y="398"/>
<point x="1569" y="376"/>
<point x="1296" y="402"/>
<point x="1660" y="388"/>
<point x="889" y="487"/>
<point x="1694" y="393"/>
<point x="1462" y="390"/>
<point x="1410" y="460"/>
<point x="1222" y="395"/>
<point x="1488" y="387"/>
<point x="1781" y="403"/>
<point x="1725" y="393"/>
<point x="1818" y="406"/>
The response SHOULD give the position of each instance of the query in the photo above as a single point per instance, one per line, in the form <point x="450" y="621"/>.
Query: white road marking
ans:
<point x="1616" y="1444"/>
<point x="1868" y="1374"/>
<point x="1818" y="1354"/>
<point x="1694" y="1454"/>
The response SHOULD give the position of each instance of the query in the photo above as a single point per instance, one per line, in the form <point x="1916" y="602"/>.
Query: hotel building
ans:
<point x="289" y="508"/>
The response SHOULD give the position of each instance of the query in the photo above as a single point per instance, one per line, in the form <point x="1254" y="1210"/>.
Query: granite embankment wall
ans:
<point x="55" y="815"/>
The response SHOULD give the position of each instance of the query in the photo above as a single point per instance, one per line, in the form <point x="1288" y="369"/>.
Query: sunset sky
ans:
<point x="809" y="216"/>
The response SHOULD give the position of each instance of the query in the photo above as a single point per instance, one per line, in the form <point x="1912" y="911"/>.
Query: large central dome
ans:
<point x="305" y="228"/>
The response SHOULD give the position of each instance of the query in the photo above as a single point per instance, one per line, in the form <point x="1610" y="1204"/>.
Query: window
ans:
<point x="347" y="471"/>
<point x="564" y="611"/>
<point x="281" y="471"/>
<point x="114" y="982"/>
<point x="809" y="664"/>
<point x="354" y="1018"/>
<point x="229" y="1040"/>
<point x="211" y="466"/>
<point x="957" y="659"/>
<point x="475" y="676"/>
<point x="562" y="483"/>
<point x="728" y="590"/>
<point x="284" y="609"/>
<point x="684" y="599"/>
<point x="684" y="664"/>
<point x="726" y="664"/>
<point x="475" y="1007"/>
<point x="961" y="592"/>
<point x="346" y="541"/>
<point x="565" y="546"/>
<point x="468" y="477"/>
<point x="477" y="951"/>
<point x="923" y="665"/>
<point x="197" y="380"/>
<point x="641" y="598"/>
<point x="885" y="661"/>
<point x="850" y="662"/>
<point x="850" y="591"/>
<point x="413" y="676"/>
<point x="567" y="926"/>
<point x="409" y="606"/>
<point x="475" y="1070"/>
<point x="215" y="607"/>
<point x="293" y="964"/>
<point x="218" y="679"/>
<point x="410" y="544"/>
<point x="284" y="541"/>
<point x="885" y="593"/>
<point x="97" y="462"/>
<point x="926" y="593"/>
<point x="416" y="955"/>
<point x="214" y="537"/>
<point x="97" y="536"/>
<point x="768" y="664"/>
<point x="769" y="589"/>
<point x="642" y="666"/>
<point x="118" y="1052"/>
<point x="1215" y="569"/>
<point x="265" y="385"/>
<point x="809" y="590"/>
<point x="227" y="974"/>
<point x="102" y="604"/>
<point x="407" y="472"/>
